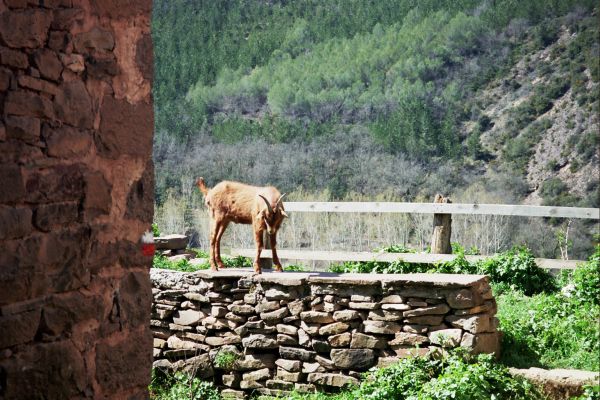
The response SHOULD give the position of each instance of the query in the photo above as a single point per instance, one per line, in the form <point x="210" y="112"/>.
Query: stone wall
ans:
<point x="309" y="331"/>
<point x="76" y="191"/>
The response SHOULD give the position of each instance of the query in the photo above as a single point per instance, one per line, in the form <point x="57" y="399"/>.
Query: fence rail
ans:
<point x="413" y="258"/>
<point x="436" y="208"/>
<point x="444" y="208"/>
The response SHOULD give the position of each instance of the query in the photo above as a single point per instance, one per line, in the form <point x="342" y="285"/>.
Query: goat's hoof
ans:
<point x="278" y="269"/>
<point x="214" y="268"/>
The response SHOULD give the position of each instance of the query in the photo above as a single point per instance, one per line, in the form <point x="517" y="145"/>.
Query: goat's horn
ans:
<point x="279" y="201"/>
<point x="267" y="203"/>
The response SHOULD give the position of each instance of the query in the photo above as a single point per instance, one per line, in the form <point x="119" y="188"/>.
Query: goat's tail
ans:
<point x="202" y="186"/>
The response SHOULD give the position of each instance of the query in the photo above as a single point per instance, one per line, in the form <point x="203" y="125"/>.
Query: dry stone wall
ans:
<point x="307" y="331"/>
<point x="76" y="194"/>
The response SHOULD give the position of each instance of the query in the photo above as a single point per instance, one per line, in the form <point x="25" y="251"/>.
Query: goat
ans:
<point x="243" y="204"/>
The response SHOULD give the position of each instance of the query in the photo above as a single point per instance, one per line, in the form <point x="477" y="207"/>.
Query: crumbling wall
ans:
<point x="76" y="191"/>
<point x="309" y="331"/>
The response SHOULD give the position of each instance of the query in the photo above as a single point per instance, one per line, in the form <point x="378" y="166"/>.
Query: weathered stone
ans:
<point x="333" y="329"/>
<point x="73" y="62"/>
<point x="341" y="340"/>
<point x="285" y="375"/>
<point x="227" y="394"/>
<point x="13" y="58"/>
<point x="218" y="311"/>
<point x="21" y="102"/>
<point x="26" y="28"/>
<point x="95" y="39"/>
<point x="303" y="338"/>
<point x="65" y="18"/>
<point x="197" y="297"/>
<point x="287" y="329"/>
<point x="286" y="340"/>
<point x="409" y="351"/>
<point x="325" y="363"/>
<point x="305" y="388"/>
<point x="274" y="316"/>
<point x="320" y="346"/>
<point x="214" y="323"/>
<point x="280" y="293"/>
<point x="329" y="379"/>
<point x="446" y="337"/>
<point x="265" y="306"/>
<point x="360" y="297"/>
<point x="14" y="223"/>
<point x="487" y="307"/>
<point x="18" y="328"/>
<point x="171" y="242"/>
<point x="222" y="341"/>
<point x="316" y="317"/>
<point x="415" y="328"/>
<point x="258" y="375"/>
<point x="409" y="339"/>
<point x="255" y="361"/>
<point x="289" y="365"/>
<point x="159" y="343"/>
<point x="362" y="341"/>
<point x="363" y="306"/>
<point x="392" y="299"/>
<point x="346" y="315"/>
<point x="296" y="307"/>
<point x="425" y="320"/>
<point x="386" y="315"/>
<point x="259" y="341"/>
<point x="73" y="105"/>
<point x="464" y="298"/>
<point x="250" y="298"/>
<point x="308" y="368"/>
<point x="356" y="359"/>
<point x="474" y="324"/>
<point x="197" y="337"/>
<point x="26" y="129"/>
<point x="235" y="318"/>
<point x="395" y="306"/>
<point x="434" y="310"/>
<point x="67" y="142"/>
<point x="381" y="327"/>
<point x="231" y="380"/>
<point x="188" y="317"/>
<point x="417" y="302"/>
<point x="40" y="85"/>
<point x="294" y="353"/>
<point x="178" y="344"/>
<point x="250" y="385"/>
<point x="277" y="384"/>
<point x="384" y="362"/>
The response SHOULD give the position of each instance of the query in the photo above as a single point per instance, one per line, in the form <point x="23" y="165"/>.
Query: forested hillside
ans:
<point x="487" y="101"/>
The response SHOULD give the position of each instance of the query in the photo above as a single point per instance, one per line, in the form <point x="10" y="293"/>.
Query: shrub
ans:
<point x="583" y="285"/>
<point x="225" y="359"/>
<point x="181" y="386"/>
<point x="155" y="230"/>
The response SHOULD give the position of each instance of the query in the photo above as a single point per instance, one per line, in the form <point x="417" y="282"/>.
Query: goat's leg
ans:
<point x="214" y="225"/>
<point x="276" y="262"/>
<point x="258" y="238"/>
<point x="220" y="233"/>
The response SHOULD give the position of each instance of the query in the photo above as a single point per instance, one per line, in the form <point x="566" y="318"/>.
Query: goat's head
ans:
<point x="273" y="216"/>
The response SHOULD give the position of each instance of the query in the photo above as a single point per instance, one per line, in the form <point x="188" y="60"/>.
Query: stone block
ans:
<point x="289" y="365"/>
<point x="446" y="337"/>
<point x="362" y="341"/>
<point x="188" y="317"/>
<point x="381" y="327"/>
<point x="356" y="359"/>
<point x="341" y="340"/>
<point x="475" y="324"/>
<point x="346" y="315"/>
<point x="14" y="222"/>
<point x="330" y="379"/>
<point x="316" y="317"/>
<point x="259" y="341"/>
<point x="294" y="353"/>
<point x="171" y="242"/>
<point x="333" y="328"/>
<point x="409" y="339"/>
<point x="25" y="28"/>
<point x="438" y="309"/>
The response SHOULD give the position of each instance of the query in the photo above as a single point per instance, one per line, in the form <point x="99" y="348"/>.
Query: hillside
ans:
<point x="487" y="101"/>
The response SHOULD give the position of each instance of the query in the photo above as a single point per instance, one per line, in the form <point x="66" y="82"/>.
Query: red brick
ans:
<point x="56" y="370"/>
<point x="125" y="128"/>
<point x="22" y="102"/>
<point x="14" y="222"/>
<point x="26" y="129"/>
<point x="62" y="311"/>
<point x="136" y="299"/>
<point x="39" y="85"/>
<point x="59" y="40"/>
<point x="65" y="18"/>
<point x="13" y="58"/>
<point x="11" y="177"/>
<point x="95" y="39"/>
<point x="102" y="67"/>
<point x="26" y="28"/>
<point x="18" y="328"/>
<point x="55" y="215"/>
<point x="73" y="105"/>
<point x="140" y="201"/>
<point x="67" y="142"/>
<point x="144" y="56"/>
<point x="5" y="76"/>
<point x="98" y="199"/>
<point x="48" y="63"/>
<point x="16" y="3"/>
<point x="19" y="152"/>
<point x="56" y="184"/>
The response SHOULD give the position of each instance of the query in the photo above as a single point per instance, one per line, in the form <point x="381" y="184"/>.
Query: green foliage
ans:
<point x="517" y="269"/>
<point x="162" y="262"/>
<point x="583" y="284"/>
<point x="555" y="192"/>
<point x="225" y="360"/>
<point x="514" y="269"/>
<point x="181" y="386"/>
<point x="590" y="392"/>
<point x="549" y="331"/>
<point x="453" y="376"/>
<point x="295" y="268"/>
<point x="155" y="230"/>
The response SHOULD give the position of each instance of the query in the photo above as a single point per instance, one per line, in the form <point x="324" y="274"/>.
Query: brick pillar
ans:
<point x="76" y="194"/>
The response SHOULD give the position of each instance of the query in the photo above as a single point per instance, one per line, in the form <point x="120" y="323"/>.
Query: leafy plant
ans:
<point x="155" y="230"/>
<point x="162" y="262"/>
<point x="181" y="386"/>
<point x="225" y="359"/>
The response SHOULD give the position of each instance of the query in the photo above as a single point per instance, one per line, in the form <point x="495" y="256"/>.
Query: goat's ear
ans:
<point x="284" y="214"/>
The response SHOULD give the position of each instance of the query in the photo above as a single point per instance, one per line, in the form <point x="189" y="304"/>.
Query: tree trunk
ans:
<point x="442" y="229"/>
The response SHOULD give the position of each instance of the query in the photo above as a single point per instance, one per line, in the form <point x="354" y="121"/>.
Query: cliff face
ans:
<point x="76" y="193"/>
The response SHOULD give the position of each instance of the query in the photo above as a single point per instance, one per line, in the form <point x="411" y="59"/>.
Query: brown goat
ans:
<point x="243" y="204"/>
